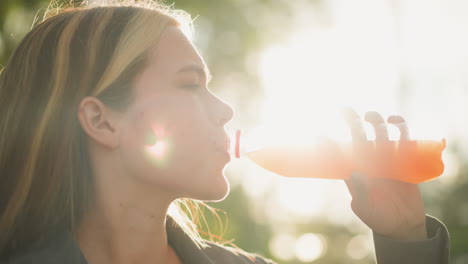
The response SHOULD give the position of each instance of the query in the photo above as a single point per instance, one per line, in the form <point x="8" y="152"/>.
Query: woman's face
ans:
<point x="172" y="135"/>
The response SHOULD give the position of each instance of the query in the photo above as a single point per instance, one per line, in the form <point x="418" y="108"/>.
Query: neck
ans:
<point x="125" y="226"/>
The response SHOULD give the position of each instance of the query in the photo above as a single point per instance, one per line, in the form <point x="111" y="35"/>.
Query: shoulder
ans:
<point x="192" y="251"/>
<point x="58" y="249"/>
<point x="229" y="255"/>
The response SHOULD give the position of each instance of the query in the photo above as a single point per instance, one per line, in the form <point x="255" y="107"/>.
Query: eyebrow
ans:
<point x="202" y="71"/>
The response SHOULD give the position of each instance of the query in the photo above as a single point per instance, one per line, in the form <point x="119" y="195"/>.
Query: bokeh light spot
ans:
<point x="282" y="246"/>
<point x="359" y="247"/>
<point x="309" y="247"/>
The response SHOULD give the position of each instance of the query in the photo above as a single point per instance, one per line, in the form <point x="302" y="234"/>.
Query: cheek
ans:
<point x="135" y="137"/>
<point x="190" y="128"/>
<point x="167" y="148"/>
<point x="180" y="163"/>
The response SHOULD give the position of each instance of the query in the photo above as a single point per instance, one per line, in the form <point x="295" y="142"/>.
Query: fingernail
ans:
<point x="373" y="117"/>
<point x="395" y="119"/>
<point x="349" y="114"/>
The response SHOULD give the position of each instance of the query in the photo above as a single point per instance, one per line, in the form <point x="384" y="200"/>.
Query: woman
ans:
<point x="106" y="123"/>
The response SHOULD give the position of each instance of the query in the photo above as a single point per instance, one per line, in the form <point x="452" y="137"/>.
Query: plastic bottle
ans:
<point x="412" y="161"/>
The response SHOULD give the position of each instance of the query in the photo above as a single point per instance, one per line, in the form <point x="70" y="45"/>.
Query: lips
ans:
<point x="227" y="144"/>
<point x="223" y="145"/>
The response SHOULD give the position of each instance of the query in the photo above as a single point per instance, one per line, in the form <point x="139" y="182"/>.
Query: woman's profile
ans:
<point x="102" y="108"/>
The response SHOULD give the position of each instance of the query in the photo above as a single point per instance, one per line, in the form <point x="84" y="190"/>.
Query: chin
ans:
<point x="218" y="190"/>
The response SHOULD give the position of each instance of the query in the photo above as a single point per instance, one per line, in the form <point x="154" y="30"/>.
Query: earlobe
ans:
<point x="97" y="121"/>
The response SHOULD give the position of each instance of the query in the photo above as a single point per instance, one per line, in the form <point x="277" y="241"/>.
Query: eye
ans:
<point x="192" y="86"/>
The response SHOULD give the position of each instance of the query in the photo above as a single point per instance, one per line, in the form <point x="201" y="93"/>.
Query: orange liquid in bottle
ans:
<point x="409" y="161"/>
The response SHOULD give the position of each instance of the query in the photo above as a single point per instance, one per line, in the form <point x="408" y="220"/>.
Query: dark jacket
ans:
<point x="62" y="248"/>
<point x="434" y="250"/>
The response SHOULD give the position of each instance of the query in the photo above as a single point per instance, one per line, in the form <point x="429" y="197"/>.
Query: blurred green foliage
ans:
<point x="228" y="33"/>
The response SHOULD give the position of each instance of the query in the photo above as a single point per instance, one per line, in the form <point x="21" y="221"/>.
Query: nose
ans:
<point x="226" y="114"/>
<point x="222" y="113"/>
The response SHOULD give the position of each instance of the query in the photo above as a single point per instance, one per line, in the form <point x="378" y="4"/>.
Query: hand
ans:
<point x="391" y="208"/>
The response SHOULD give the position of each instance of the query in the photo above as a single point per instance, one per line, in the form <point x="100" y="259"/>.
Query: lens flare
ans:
<point x="159" y="149"/>
<point x="159" y="152"/>
<point x="158" y="146"/>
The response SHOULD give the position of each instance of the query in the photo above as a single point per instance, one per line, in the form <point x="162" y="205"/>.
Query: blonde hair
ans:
<point x="76" y="51"/>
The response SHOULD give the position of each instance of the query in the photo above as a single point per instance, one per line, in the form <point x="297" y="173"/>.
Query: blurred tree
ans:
<point x="9" y="23"/>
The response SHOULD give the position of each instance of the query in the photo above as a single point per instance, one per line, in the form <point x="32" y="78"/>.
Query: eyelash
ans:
<point x="192" y="86"/>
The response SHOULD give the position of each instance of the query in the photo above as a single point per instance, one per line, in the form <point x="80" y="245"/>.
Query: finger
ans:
<point x="349" y="184"/>
<point x="380" y="127"/>
<point x="358" y="133"/>
<point x="400" y="123"/>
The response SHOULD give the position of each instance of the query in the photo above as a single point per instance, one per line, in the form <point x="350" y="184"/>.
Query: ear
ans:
<point x="98" y="122"/>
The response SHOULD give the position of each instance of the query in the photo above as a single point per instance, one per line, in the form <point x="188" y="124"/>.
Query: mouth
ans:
<point x="224" y="146"/>
<point x="227" y="144"/>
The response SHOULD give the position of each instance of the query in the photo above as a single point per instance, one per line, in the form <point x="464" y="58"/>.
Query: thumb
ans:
<point x="360" y="186"/>
<point x="360" y="204"/>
